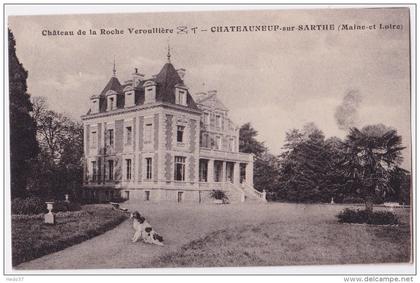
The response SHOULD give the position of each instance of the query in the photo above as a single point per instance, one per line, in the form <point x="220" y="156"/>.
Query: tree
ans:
<point x="248" y="142"/>
<point x="308" y="166"/>
<point x="266" y="172"/>
<point x="371" y="154"/>
<point x="265" y="165"/>
<point x="60" y="160"/>
<point x="23" y="143"/>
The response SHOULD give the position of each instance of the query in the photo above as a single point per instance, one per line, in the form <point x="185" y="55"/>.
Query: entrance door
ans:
<point x="180" y="196"/>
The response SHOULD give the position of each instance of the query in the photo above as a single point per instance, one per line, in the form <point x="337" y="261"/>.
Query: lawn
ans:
<point x="248" y="234"/>
<point x="317" y="239"/>
<point x="31" y="238"/>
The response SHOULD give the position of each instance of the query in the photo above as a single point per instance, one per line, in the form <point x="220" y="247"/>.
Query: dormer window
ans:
<point x="111" y="100"/>
<point x="150" y="92"/>
<point x="181" y="97"/>
<point x="181" y="94"/>
<point x="128" y="96"/>
<point x="111" y="103"/>
<point x="94" y="106"/>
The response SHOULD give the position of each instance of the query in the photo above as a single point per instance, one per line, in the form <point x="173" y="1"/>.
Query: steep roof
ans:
<point x="166" y="80"/>
<point x="211" y="100"/>
<point x="113" y="84"/>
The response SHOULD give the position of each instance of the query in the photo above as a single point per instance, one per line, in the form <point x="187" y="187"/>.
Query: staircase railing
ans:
<point x="260" y="195"/>
<point x="230" y="185"/>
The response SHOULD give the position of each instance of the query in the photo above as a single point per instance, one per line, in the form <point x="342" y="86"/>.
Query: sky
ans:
<point x="275" y="80"/>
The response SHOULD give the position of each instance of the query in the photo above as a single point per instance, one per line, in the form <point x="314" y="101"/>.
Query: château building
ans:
<point x="148" y="139"/>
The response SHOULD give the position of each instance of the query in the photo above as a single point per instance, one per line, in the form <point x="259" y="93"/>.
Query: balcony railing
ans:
<point x="219" y="154"/>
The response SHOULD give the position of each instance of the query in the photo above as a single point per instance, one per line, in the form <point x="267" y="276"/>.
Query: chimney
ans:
<point x="137" y="78"/>
<point x="181" y="73"/>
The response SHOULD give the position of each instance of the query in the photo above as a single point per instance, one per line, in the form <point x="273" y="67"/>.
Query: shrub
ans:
<point x="31" y="238"/>
<point x="219" y="195"/>
<point x="363" y="216"/>
<point x="352" y="199"/>
<point x="118" y="199"/>
<point x="66" y="206"/>
<point x="36" y="205"/>
<point x="28" y="206"/>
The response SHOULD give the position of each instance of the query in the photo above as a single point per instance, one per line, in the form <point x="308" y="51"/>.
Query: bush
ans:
<point x="352" y="199"/>
<point x="28" y="206"/>
<point x="66" y="206"/>
<point x="363" y="216"/>
<point x="219" y="195"/>
<point x="32" y="238"/>
<point x="36" y="205"/>
<point x="118" y="199"/>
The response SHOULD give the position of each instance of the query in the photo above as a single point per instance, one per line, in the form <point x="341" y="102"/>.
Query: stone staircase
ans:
<point x="245" y="193"/>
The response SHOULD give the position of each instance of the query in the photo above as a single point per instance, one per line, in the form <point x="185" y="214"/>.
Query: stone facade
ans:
<point x="158" y="143"/>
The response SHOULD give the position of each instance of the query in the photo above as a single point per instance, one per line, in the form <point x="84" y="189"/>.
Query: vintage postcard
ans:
<point x="239" y="138"/>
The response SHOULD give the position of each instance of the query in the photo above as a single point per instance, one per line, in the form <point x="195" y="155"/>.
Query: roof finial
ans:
<point x="169" y="53"/>
<point x="114" y="71"/>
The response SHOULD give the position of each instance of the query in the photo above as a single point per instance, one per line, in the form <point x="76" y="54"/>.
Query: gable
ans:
<point x="212" y="102"/>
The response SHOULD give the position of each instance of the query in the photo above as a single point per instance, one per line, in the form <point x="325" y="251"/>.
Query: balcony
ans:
<point x="225" y="155"/>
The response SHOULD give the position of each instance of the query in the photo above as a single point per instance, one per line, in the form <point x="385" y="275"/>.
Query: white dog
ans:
<point x="143" y="230"/>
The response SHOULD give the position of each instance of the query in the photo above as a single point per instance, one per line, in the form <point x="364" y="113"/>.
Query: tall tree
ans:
<point x="61" y="143"/>
<point x="265" y="165"/>
<point x="371" y="155"/>
<point x="307" y="166"/>
<point x="23" y="143"/>
<point x="248" y="140"/>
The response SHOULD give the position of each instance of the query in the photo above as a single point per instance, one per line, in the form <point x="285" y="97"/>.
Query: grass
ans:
<point x="32" y="238"/>
<point x="285" y="243"/>
<point x="276" y="244"/>
<point x="248" y="234"/>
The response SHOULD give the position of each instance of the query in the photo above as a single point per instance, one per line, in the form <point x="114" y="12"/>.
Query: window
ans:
<point x="94" y="171"/>
<point x="231" y="144"/>
<point x="147" y="195"/>
<point x="148" y="133"/>
<point x="111" y="103"/>
<point x="218" y="121"/>
<point x="110" y="169"/>
<point x="206" y="118"/>
<point x="180" y="196"/>
<point x="150" y="94"/>
<point x="181" y="97"/>
<point x="204" y="140"/>
<point x="203" y="170"/>
<point x="110" y="137"/>
<point x="128" y="134"/>
<point x="218" y="143"/>
<point x="218" y="171"/>
<point x="93" y="140"/>
<point x="128" y="169"/>
<point x="179" y="168"/>
<point x="180" y="133"/>
<point x="148" y="168"/>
